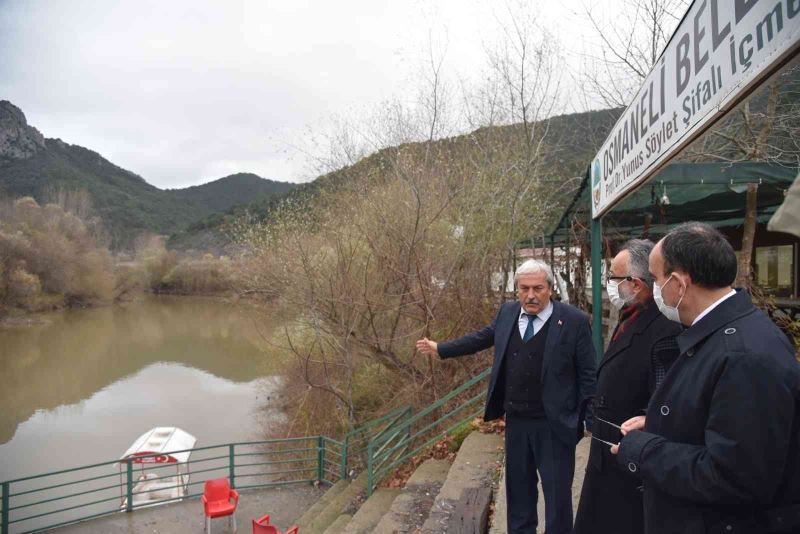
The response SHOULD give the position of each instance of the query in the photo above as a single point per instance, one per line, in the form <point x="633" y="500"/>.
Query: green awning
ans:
<point x="710" y="192"/>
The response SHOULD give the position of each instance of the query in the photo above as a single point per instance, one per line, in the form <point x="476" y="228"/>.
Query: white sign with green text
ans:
<point x="719" y="48"/>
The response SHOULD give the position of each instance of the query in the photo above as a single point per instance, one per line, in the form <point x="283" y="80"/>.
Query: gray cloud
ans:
<point x="182" y="92"/>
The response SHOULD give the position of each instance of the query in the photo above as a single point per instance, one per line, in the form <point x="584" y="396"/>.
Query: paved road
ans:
<point x="284" y="504"/>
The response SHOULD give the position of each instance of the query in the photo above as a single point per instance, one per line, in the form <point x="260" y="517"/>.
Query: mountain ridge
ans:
<point x="573" y="141"/>
<point x="33" y="165"/>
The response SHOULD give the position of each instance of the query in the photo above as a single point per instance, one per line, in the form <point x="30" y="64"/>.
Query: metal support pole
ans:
<point x="320" y="458"/>
<point x="5" y="513"/>
<point x="568" y="253"/>
<point x="370" y="474"/>
<point x="129" y="485"/>
<point x="232" y="465"/>
<point x="597" y="290"/>
<point x="345" y="444"/>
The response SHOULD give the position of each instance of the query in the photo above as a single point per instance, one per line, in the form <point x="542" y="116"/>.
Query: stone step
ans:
<point x="476" y="467"/>
<point x="410" y="508"/>
<point x="309" y="515"/>
<point x="338" y="505"/>
<point x="371" y="512"/>
<point x="338" y="526"/>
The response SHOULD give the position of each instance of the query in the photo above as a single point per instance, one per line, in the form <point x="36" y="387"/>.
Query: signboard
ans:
<point x="719" y="48"/>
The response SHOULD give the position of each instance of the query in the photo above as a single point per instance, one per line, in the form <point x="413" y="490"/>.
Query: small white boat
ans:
<point x="153" y="482"/>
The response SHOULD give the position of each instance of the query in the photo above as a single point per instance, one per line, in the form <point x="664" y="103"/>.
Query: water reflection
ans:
<point x="111" y="373"/>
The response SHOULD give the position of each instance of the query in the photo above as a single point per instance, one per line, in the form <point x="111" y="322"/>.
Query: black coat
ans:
<point x="568" y="369"/>
<point x="611" y="500"/>
<point x="719" y="452"/>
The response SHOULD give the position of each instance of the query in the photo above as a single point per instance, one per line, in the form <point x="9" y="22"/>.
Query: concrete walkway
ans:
<point x="284" y="504"/>
<point x="499" y="525"/>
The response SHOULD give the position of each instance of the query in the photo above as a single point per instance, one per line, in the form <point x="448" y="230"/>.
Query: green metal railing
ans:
<point x="409" y="435"/>
<point x="40" y="502"/>
<point x="59" y="498"/>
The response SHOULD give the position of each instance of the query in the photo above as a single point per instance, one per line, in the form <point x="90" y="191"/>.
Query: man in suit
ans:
<point x="641" y="350"/>
<point x="543" y="377"/>
<point x="718" y="450"/>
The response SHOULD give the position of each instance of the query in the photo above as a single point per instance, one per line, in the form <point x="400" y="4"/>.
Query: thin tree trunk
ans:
<point x="743" y="278"/>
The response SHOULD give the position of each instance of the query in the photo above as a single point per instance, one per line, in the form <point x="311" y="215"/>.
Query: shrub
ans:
<point x="49" y="257"/>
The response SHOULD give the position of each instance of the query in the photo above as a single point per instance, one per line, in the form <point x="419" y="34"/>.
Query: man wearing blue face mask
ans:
<point x="641" y="350"/>
<point x="718" y="451"/>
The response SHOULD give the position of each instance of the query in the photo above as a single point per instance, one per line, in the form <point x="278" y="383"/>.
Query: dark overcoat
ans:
<point x="568" y="370"/>
<point x="719" y="452"/>
<point x="611" y="499"/>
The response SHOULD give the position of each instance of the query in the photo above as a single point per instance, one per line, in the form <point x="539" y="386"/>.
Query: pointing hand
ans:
<point x="426" y="346"/>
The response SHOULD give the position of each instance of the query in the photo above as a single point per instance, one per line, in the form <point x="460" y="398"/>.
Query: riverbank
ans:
<point x="53" y="257"/>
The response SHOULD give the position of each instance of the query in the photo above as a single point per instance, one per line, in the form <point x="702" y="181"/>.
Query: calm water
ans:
<point x="82" y="387"/>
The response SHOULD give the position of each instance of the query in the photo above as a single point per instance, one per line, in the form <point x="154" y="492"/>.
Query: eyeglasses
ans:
<point x="620" y="278"/>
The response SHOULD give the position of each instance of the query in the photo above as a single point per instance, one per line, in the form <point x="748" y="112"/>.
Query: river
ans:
<point x="81" y="386"/>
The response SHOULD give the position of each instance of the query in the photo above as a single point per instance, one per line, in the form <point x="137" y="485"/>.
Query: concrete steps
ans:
<point x="371" y="512"/>
<point x="338" y="525"/>
<point x="436" y="498"/>
<point x="340" y="504"/>
<point x="411" y="507"/>
<point x="474" y="471"/>
<point x="309" y="515"/>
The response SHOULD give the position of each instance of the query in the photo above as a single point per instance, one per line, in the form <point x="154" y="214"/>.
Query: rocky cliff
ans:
<point x="17" y="139"/>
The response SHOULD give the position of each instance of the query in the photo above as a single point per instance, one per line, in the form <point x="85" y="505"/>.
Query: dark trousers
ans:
<point x="530" y="447"/>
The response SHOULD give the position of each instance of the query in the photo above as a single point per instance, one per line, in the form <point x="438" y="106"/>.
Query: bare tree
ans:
<point x="625" y="48"/>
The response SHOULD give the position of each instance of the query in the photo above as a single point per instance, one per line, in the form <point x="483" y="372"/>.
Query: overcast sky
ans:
<point x="184" y="92"/>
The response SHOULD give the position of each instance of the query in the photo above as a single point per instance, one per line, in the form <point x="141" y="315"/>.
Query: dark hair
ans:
<point x="701" y="251"/>
<point x="639" y="262"/>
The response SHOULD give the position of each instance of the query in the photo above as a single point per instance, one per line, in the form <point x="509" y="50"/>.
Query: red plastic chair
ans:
<point x="262" y="526"/>
<point x="217" y="495"/>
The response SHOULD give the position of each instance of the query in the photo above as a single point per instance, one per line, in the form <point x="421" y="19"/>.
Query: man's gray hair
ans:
<point x="639" y="262"/>
<point x="533" y="267"/>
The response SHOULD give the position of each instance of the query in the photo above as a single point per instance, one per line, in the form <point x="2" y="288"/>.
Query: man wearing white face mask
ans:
<point x="718" y="451"/>
<point x="641" y="350"/>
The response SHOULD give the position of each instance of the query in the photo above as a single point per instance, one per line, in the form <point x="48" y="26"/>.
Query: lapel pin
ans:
<point x="559" y="322"/>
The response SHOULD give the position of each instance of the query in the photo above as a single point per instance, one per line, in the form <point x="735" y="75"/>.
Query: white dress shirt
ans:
<point x="714" y="305"/>
<point x="538" y="323"/>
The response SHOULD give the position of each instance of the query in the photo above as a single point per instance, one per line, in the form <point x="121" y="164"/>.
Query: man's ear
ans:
<point x="683" y="277"/>
<point x="639" y="284"/>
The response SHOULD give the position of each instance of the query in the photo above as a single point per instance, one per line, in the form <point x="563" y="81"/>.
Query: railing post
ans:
<point x="597" y="288"/>
<point x="231" y="465"/>
<point x="129" y="485"/>
<point x="320" y="458"/>
<point x="370" y="474"/>
<point x="4" y="515"/>
<point x="343" y="470"/>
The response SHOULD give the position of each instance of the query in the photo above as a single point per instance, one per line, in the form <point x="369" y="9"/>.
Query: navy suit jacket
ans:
<point x="568" y="370"/>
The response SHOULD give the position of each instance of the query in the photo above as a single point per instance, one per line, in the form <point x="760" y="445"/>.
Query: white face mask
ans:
<point x="670" y="312"/>
<point x="615" y="296"/>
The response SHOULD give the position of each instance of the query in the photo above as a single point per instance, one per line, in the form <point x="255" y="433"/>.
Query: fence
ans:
<point x="410" y="435"/>
<point x="40" y="502"/>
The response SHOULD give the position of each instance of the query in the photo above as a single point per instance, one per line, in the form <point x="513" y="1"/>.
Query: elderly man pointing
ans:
<point x="543" y="377"/>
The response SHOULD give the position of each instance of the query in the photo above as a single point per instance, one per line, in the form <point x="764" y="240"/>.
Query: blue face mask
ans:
<point x="670" y="312"/>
